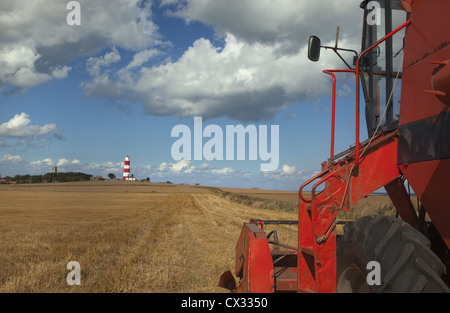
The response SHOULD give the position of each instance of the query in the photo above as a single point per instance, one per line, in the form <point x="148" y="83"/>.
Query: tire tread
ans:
<point x="406" y="260"/>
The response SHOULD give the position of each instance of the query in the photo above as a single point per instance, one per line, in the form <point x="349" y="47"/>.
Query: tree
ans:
<point x="111" y="176"/>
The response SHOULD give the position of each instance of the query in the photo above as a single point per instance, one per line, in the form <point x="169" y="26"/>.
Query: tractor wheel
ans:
<point x="406" y="263"/>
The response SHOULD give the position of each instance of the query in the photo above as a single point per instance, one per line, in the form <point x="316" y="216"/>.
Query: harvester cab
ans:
<point x="403" y="74"/>
<point x="380" y="68"/>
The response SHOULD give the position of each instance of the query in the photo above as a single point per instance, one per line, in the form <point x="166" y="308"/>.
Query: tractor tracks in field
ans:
<point x="183" y="243"/>
<point x="167" y="251"/>
<point x="135" y="264"/>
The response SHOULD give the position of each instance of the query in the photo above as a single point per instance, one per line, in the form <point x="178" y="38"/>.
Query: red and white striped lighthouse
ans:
<point x="126" y="168"/>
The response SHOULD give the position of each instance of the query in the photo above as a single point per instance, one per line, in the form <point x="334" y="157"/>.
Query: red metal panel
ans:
<point x="306" y="268"/>
<point x="254" y="261"/>
<point x="402" y="202"/>
<point x="427" y="51"/>
<point x="376" y="169"/>
<point x="427" y="40"/>
<point x="317" y="215"/>
<point x="260" y="267"/>
<point x="429" y="180"/>
<point x="286" y="280"/>
<point x="285" y="268"/>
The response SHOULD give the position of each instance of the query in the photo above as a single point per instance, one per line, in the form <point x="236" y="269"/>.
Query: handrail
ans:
<point x="309" y="182"/>
<point x="392" y="33"/>
<point x="324" y="175"/>
<point x="320" y="182"/>
<point x="333" y="113"/>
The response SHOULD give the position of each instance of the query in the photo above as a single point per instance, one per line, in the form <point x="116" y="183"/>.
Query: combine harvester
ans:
<point x="405" y="52"/>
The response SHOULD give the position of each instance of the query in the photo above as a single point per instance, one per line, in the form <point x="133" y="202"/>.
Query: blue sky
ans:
<point x="83" y="97"/>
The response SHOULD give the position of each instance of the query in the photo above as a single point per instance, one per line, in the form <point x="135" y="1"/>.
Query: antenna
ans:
<point x="337" y="37"/>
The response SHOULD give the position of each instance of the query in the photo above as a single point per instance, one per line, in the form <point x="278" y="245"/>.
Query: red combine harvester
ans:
<point x="405" y="55"/>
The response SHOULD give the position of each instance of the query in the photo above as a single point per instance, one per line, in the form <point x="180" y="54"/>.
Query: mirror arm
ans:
<point x="336" y="51"/>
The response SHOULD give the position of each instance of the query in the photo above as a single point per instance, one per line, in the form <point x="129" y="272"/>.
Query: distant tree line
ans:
<point x="49" y="177"/>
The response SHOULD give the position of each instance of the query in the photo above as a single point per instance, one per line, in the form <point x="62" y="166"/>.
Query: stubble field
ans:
<point x="126" y="236"/>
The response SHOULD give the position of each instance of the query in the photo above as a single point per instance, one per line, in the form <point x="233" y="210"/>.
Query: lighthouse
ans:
<point x="126" y="168"/>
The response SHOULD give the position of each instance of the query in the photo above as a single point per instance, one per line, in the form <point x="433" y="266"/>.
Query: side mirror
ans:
<point x="314" y="48"/>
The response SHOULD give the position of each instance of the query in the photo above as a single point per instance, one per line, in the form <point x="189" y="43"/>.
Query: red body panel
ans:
<point x="425" y="95"/>
<point x="254" y="261"/>
<point x="317" y="215"/>
<point x="430" y="181"/>
<point x="427" y="39"/>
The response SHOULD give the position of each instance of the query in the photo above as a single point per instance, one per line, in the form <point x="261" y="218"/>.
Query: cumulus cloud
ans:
<point x="141" y="57"/>
<point x="18" y="130"/>
<point x="179" y="166"/>
<point x="102" y="169"/>
<point x="61" y="72"/>
<point x="286" y="169"/>
<point x="226" y="170"/>
<point x="286" y="22"/>
<point x="94" y="65"/>
<point x="260" y="67"/>
<point x="47" y="162"/>
<point x="65" y="162"/>
<point x="37" y="43"/>
<point x="18" y="126"/>
<point x="243" y="81"/>
<point x="11" y="158"/>
<point x="17" y="67"/>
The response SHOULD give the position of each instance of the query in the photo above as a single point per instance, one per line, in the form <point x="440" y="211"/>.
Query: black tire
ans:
<point x="407" y="264"/>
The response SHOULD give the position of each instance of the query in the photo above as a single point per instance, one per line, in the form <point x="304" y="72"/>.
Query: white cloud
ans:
<point x="163" y="167"/>
<point x="37" y="43"/>
<point x="286" y="169"/>
<point x="61" y="72"/>
<point x="289" y="22"/>
<point x="47" y="162"/>
<point x="260" y="68"/>
<point x="94" y="65"/>
<point x="11" y="158"/>
<point x="226" y="170"/>
<point x="16" y="165"/>
<point x="19" y="127"/>
<point x="142" y="57"/>
<point x="66" y="162"/>
<point x="244" y="81"/>
<point x="180" y="165"/>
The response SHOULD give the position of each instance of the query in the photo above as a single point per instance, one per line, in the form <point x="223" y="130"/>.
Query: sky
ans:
<point x="82" y="97"/>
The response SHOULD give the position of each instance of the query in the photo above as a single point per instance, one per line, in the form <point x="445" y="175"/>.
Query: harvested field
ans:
<point x="127" y="237"/>
<point x="370" y="205"/>
<point x="132" y="236"/>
